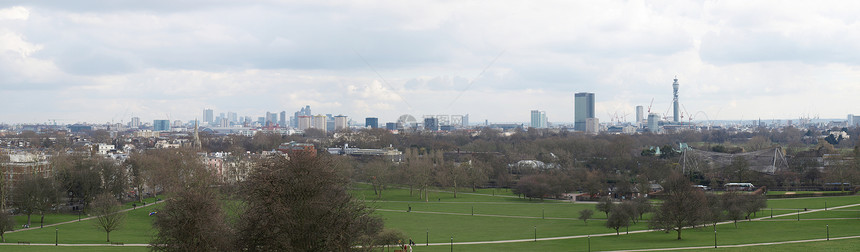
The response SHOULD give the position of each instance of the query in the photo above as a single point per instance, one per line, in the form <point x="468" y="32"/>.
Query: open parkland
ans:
<point x="497" y="220"/>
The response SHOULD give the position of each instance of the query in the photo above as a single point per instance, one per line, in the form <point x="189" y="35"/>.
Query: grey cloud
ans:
<point x="749" y="46"/>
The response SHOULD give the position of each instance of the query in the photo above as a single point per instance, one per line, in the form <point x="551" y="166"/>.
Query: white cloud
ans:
<point x="14" y="13"/>
<point x="733" y="59"/>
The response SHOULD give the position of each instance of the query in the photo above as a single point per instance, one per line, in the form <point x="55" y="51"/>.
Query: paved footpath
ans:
<point x="645" y="231"/>
<point x="744" y="245"/>
<point x="73" y="221"/>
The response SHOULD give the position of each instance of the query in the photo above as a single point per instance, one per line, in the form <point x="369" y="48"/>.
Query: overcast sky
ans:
<point x="103" y="61"/>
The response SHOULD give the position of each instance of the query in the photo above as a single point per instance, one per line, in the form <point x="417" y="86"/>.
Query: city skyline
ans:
<point x="98" y="61"/>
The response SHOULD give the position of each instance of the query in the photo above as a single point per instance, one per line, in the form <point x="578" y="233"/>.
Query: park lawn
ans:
<point x="832" y="245"/>
<point x="537" y="210"/>
<point x="52" y="218"/>
<point x="813" y="202"/>
<point x="803" y="192"/>
<point x="485" y="228"/>
<point x="748" y="232"/>
<point x="398" y="194"/>
<point x="26" y="248"/>
<point x="823" y="215"/>
<point x="137" y="229"/>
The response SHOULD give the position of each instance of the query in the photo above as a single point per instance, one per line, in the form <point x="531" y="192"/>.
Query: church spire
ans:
<point x="196" y="143"/>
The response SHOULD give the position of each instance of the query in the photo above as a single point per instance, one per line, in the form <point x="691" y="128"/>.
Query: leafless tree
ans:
<point x="6" y="224"/>
<point x="585" y="214"/>
<point x="605" y="205"/>
<point x="618" y="218"/>
<point x="733" y="205"/>
<point x="682" y="206"/>
<point x="106" y="209"/>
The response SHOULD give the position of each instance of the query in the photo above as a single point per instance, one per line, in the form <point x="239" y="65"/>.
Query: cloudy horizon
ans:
<point x="106" y="61"/>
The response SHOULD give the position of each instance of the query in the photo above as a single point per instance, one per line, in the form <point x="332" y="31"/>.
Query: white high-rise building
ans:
<point x="640" y="114"/>
<point x="340" y="122"/>
<point x="319" y="122"/>
<point x="539" y="120"/>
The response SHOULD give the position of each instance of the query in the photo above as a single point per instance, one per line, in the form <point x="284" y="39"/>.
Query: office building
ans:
<point x="282" y="122"/>
<point x="208" y="115"/>
<point x="371" y="122"/>
<point x="538" y="119"/>
<point x="391" y="126"/>
<point x="431" y="124"/>
<point x="640" y="114"/>
<point x="160" y="125"/>
<point x="653" y="123"/>
<point x="583" y="109"/>
<point x="232" y="117"/>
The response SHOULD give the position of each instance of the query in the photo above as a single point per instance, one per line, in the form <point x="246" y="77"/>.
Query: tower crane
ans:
<point x="649" y="105"/>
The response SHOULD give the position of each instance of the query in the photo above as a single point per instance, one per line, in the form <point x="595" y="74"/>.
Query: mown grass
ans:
<point x="437" y="221"/>
<point x="137" y="229"/>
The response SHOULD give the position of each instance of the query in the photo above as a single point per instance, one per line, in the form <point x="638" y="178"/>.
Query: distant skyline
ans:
<point x="101" y="61"/>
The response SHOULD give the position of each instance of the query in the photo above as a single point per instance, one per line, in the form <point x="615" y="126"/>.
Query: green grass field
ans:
<point x="498" y="215"/>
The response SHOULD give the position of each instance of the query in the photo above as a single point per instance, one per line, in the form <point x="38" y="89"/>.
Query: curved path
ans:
<point x="649" y="230"/>
<point x="73" y="221"/>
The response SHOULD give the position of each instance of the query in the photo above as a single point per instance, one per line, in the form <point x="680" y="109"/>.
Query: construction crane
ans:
<point x="649" y="105"/>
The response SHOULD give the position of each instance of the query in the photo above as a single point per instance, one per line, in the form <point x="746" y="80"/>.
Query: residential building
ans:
<point x="538" y="119"/>
<point x="340" y="122"/>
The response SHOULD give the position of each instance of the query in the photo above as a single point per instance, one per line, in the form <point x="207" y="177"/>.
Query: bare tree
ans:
<point x="605" y="205"/>
<point x="682" y="206"/>
<point x="585" y="214"/>
<point x="107" y="211"/>
<point x="34" y="195"/>
<point x="753" y="203"/>
<point x="732" y="203"/>
<point x="6" y="224"/>
<point x="618" y="218"/>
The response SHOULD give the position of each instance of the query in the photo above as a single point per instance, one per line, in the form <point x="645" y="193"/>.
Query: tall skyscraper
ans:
<point x="640" y="114"/>
<point x="675" y="98"/>
<point x="583" y="108"/>
<point x="538" y="119"/>
<point x="372" y="122"/>
<point x="306" y="111"/>
<point x="208" y="115"/>
<point x="271" y="119"/>
<point x="232" y="117"/>
<point x="283" y="120"/>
